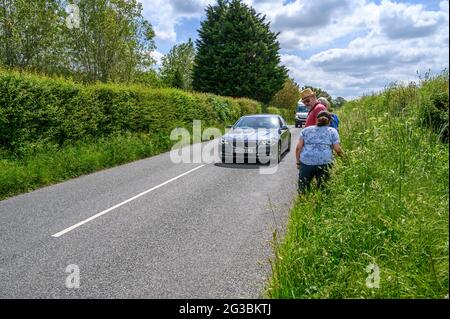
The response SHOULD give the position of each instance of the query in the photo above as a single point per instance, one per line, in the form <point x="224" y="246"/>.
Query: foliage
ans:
<point x="41" y="110"/>
<point x="338" y="102"/>
<point x="285" y="113"/>
<point x="434" y="110"/>
<point x="385" y="205"/>
<point x="30" y="35"/>
<point x="46" y="164"/>
<point x="177" y="66"/>
<point x="149" y="79"/>
<point x="237" y="53"/>
<point x="273" y="110"/>
<point x="112" y="42"/>
<point x="287" y="98"/>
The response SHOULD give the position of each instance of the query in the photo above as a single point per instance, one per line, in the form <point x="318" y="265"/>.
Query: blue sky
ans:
<point x="346" y="47"/>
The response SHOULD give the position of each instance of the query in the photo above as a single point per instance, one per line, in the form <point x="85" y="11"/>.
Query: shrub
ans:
<point x="285" y="113"/>
<point x="273" y="110"/>
<point x="36" y="109"/>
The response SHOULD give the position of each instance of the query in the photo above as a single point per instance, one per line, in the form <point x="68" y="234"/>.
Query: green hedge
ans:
<point x="273" y="110"/>
<point x="36" y="110"/>
<point x="53" y="129"/>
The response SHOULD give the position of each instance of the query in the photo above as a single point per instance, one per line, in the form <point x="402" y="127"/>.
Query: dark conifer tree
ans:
<point x="237" y="53"/>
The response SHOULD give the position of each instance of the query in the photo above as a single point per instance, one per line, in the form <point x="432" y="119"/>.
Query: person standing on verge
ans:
<point x="314" y="152"/>
<point x="334" y="118"/>
<point x="315" y="107"/>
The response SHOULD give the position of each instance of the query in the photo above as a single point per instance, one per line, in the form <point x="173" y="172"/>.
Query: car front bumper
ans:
<point x="263" y="154"/>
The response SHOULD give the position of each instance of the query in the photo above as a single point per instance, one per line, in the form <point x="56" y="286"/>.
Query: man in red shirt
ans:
<point x="315" y="107"/>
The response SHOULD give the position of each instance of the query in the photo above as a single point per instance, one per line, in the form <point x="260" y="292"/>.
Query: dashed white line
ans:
<point x="65" y="231"/>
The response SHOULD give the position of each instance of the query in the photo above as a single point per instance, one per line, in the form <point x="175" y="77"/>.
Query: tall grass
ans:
<point x="51" y="164"/>
<point x="386" y="205"/>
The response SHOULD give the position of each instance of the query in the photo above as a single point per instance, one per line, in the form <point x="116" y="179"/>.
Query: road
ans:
<point x="147" y="229"/>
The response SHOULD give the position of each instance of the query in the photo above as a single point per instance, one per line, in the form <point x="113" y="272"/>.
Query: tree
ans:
<point x="30" y="36"/>
<point x="177" y="66"/>
<point x="287" y="99"/>
<point x="113" y="41"/>
<point x="288" y="96"/>
<point x="339" y="102"/>
<point x="148" y="78"/>
<point x="237" y="54"/>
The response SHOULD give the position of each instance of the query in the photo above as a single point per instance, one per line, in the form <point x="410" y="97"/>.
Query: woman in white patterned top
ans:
<point x="314" y="152"/>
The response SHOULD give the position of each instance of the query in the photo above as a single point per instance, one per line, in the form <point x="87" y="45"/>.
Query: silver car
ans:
<point x="300" y="115"/>
<point x="256" y="138"/>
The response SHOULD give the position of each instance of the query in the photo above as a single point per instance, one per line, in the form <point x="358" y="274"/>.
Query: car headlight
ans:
<point x="267" y="142"/>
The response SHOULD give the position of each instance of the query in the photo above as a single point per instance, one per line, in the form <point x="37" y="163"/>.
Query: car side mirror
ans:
<point x="282" y="129"/>
<point x="229" y="126"/>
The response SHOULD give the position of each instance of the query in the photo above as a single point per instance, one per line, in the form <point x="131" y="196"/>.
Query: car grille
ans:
<point x="255" y="149"/>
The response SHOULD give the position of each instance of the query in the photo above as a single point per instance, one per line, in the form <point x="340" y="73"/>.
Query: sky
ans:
<point x="346" y="47"/>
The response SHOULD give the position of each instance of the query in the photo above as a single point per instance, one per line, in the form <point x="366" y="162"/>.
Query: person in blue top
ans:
<point x="334" y="118"/>
<point x="314" y="152"/>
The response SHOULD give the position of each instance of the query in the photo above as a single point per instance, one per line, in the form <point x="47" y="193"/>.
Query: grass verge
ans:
<point x="385" y="208"/>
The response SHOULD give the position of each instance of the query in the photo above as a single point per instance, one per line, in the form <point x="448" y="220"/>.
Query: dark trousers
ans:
<point x="308" y="172"/>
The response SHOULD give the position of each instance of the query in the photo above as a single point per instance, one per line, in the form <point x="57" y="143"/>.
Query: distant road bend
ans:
<point x="147" y="229"/>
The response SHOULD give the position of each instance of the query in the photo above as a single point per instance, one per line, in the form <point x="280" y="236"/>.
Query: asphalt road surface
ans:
<point x="147" y="229"/>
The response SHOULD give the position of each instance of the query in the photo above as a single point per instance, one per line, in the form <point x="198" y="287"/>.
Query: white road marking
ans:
<point x="123" y="203"/>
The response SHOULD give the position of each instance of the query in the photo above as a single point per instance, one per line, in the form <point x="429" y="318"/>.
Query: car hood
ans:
<point x="251" y="134"/>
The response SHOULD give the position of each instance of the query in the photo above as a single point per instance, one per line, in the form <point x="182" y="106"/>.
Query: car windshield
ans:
<point x="257" y="122"/>
<point x="301" y="108"/>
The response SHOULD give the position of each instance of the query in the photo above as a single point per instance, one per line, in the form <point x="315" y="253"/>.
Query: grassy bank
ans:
<point x="53" y="129"/>
<point x="386" y="205"/>
<point x="52" y="164"/>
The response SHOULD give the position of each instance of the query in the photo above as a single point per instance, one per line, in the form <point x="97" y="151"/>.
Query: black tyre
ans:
<point x="279" y="153"/>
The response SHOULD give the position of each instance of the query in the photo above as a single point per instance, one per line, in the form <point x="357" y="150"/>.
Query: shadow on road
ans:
<point x="240" y="165"/>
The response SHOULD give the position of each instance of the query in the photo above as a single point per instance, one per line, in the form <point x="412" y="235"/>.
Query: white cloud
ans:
<point x="401" y="21"/>
<point x="158" y="58"/>
<point x="305" y="24"/>
<point x="384" y="42"/>
<point x="166" y="14"/>
<point x="386" y="54"/>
